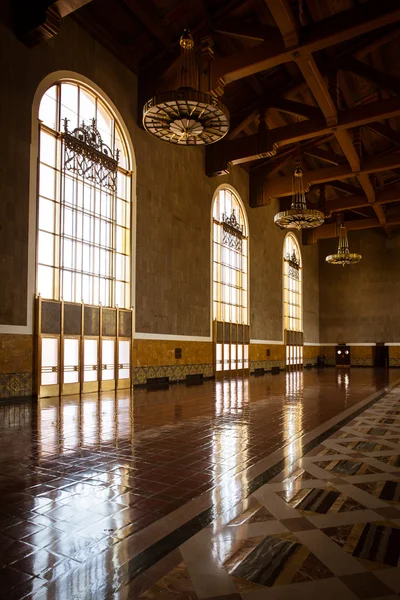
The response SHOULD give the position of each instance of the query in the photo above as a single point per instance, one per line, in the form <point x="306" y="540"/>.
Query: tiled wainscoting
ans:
<point x="13" y="385"/>
<point x="174" y="372"/>
<point x="266" y="364"/>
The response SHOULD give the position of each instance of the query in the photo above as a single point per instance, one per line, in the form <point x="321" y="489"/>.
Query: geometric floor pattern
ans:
<point x="328" y="526"/>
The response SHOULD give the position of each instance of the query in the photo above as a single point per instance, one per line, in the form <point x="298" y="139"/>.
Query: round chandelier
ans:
<point x="343" y="256"/>
<point x="186" y="116"/>
<point x="299" y="216"/>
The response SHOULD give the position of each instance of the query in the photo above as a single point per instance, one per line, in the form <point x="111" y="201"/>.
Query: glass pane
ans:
<point x="69" y="105"/>
<point x="46" y="215"/>
<point x="90" y="360"/>
<point x="71" y="361"/>
<point x="47" y="148"/>
<point x="87" y="106"/>
<point x="48" y="108"/>
<point x="124" y="359"/>
<point x="45" y="283"/>
<point x="49" y="361"/>
<point x="107" y="359"/>
<point x="104" y="125"/>
<point x="47" y="182"/>
<point x="46" y="248"/>
<point x="123" y="163"/>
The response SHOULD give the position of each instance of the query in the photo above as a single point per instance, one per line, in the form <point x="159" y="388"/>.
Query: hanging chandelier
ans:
<point x="343" y="256"/>
<point x="185" y="116"/>
<point x="299" y="216"/>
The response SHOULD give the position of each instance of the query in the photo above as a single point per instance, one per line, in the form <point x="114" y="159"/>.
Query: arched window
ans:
<point x="84" y="316"/>
<point x="230" y="281"/>
<point x="83" y="250"/>
<point x="293" y="301"/>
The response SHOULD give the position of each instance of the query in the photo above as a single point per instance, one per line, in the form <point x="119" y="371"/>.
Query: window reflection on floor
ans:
<point x="229" y="450"/>
<point x="66" y="424"/>
<point x="343" y="382"/>
<point x="293" y="415"/>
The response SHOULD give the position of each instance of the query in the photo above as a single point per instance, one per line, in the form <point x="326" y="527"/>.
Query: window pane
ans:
<point x="47" y="182"/>
<point x="87" y="106"/>
<point x="69" y="105"/>
<point x="48" y="108"/>
<point x="46" y="248"/>
<point x="46" y="215"/>
<point x="47" y="148"/>
<point x="45" y="283"/>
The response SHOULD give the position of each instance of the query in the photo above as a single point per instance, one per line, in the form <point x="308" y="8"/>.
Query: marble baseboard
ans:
<point x="394" y="362"/>
<point x="266" y="364"/>
<point x="13" y="385"/>
<point x="174" y="372"/>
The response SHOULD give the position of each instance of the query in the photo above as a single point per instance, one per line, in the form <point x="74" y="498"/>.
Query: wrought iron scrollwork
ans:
<point x="233" y="232"/>
<point x="294" y="264"/>
<point x="86" y="155"/>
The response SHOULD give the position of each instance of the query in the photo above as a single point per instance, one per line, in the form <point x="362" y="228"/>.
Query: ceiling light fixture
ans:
<point x="343" y="256"/>
<point x="299" y="216"/>
<point x="186" y="116"/>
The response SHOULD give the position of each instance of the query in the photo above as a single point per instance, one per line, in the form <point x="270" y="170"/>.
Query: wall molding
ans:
<point x="348" y="344"/>
<point x="171" y="337"/>
<point x="268" y="342"/>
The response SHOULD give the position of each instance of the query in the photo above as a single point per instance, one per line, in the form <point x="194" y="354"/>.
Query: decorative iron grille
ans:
<point x="86" y="155"/>
<point x="294" y="265"/>
<point x="233" y="232"/>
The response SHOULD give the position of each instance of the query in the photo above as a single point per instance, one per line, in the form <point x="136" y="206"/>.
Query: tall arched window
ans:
<point x="293" y="301"/>
<point x="230" y="282"/>
<point x="84" y="200"/>
<point x="83" y="244"/>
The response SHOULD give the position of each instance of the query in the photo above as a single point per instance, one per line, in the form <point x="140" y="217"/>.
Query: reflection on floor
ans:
<point x="328" y="526"/>
<point x="141" y="493"/>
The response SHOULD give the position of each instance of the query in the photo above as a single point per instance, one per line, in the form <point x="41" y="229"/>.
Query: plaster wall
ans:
<point x="360" y="304"/>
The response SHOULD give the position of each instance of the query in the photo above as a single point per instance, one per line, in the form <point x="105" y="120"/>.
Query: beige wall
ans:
<point x="361" y="303"/>
<point x="173" y="216"/>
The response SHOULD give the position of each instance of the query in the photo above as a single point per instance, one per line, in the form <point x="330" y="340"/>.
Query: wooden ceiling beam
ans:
<point x="361" y="201"/>
<point x="284" y="18"/>
<point x="345" y="187"/>
<point x="327" y="32"/>
<point x="326" y="156"/>
<point x="329" y="230"/>
<point x="36" y="22"/>
<point x="283" y="186"/>
<point x="244" y="30"/>
<point x="251" y="148"/>
<point x="320" y="91"/>
<point x="148" y="14"/>
<point x="382" y="80"/>
<point x="241" y="124"/>
<point x="298" y="109"/>
<point x="385" y="131"/>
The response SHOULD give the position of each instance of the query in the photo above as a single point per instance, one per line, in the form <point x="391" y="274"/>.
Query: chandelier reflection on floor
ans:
<point x="343" y="256"/>
<point x="299" y="216"/>
<point x="186" y="116"/>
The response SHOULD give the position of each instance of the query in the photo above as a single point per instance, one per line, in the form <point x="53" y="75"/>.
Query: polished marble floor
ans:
<point x="107" y="497"/>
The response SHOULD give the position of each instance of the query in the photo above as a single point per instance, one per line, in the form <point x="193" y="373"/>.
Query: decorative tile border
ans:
<point x="394" y="362"/>
<point x="174" y="372"/>
<point x="266" y="364"/>
<point x="361" y="362"/>
<point x="16" y="384"/>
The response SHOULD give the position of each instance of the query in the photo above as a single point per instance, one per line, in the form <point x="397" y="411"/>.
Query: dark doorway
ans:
<point x="343" y="356"/>
<point x="381" y="356"/>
